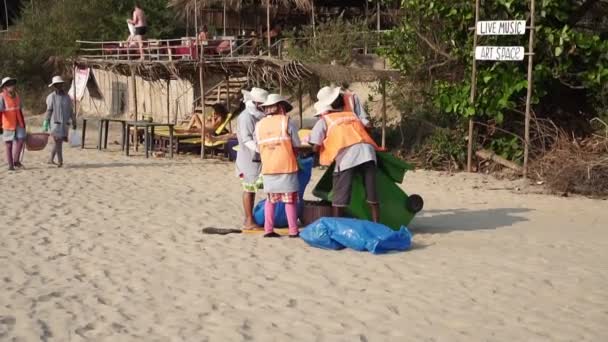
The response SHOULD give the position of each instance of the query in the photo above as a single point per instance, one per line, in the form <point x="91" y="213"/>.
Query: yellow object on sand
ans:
<point x="280" y="231"/>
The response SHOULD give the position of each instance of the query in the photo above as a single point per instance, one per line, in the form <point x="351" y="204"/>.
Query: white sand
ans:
<point x="109" y="249"/>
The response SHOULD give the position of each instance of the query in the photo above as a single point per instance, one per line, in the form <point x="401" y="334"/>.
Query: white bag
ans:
<point x="75" y="138"/>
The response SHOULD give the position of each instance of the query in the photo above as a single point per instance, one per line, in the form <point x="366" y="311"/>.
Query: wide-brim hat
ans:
<point x="7" y="80"/>
<point x="274" y="99"/>
<point x="321" y="109"/>
<point x="326" y="96"/>
<point x="56" y="80"/>
<point x="258" y="95"/>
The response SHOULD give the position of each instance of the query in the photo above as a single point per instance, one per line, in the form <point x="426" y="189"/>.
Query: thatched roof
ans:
<point x="259" y="70"/>
<point x="186" y="6"/>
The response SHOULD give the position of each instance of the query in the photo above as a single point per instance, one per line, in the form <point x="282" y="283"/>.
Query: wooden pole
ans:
<point x="74" y="70"/>
<point x="6" y="14"/>
<point x="168" y="100"/>
<point x="366" y="23"/>
<point x="530" y="86"/>
<point x="224" y="18"/>
<point x="300" y="105"/>
<point x="268" y="25"/>
<point x="228" y="93"/>
<point x="383" y="85"/>
<point x="196" y="25"/>
<point x="201" y="79"/>
<point x="314" y="28"/>
<point x="473" y="92"/>
<point x="378" y="20"/>
<point x="134" y="86"/>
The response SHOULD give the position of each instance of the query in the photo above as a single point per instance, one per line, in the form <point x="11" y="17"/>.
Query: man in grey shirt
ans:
<point x="357" y="158"/>
<point x="248" y="170"/>
<point x="59" y="114"/>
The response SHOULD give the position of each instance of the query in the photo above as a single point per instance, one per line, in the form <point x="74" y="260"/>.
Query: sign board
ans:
<point x="499" y="53"/>
<point x="82" y="78"/>
<point x="501" y="27"/>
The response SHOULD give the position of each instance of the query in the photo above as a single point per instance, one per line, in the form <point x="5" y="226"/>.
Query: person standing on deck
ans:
<point x="12" y="122"/>
<point x="141" y="28"/>
<point x="340" y="136"/>
<point x="59" y="114"/>
<point x="248" y="169"/>
<point x="276" y="138"/>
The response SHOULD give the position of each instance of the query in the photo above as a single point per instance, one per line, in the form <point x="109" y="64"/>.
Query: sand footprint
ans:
<point x="6" y="325"/>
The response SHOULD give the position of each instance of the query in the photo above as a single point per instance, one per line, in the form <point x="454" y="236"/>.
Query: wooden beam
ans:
<point x="383" y="85"/>
<point x="168" y="100"/>
<point x="473" y="92"/>
<point x="201" y="78"/>
<point x="489" y="155"/>
<point x="300" y="105"/>
<point x="530" y="86"/>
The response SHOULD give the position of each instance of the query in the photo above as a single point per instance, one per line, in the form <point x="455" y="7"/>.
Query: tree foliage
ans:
<point x="434" y="45"/>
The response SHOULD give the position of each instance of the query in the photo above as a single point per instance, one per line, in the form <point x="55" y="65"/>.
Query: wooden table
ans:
<point x="148" y="134"/>
<point x="102" y="134"/>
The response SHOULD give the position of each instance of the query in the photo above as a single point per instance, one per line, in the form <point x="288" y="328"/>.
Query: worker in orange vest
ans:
<point x="339" y="136"/>
<point x="276" y="139"/>
<point x="12" y="122"/>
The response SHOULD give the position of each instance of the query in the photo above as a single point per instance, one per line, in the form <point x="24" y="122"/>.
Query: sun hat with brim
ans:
<point x="258" y="95"/>
<point x="56" y="80"/>
<point x="327" y="95"/>
<point x="321" y="109"/>
<point x="274" y="99"/>
<point x="7" y="80"/>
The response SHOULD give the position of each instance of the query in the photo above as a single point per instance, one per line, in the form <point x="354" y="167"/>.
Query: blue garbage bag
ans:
<point x="337" y="233"/>
<point x="280" y="219"/>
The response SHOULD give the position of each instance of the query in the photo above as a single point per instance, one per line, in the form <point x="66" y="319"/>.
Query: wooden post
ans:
<point x="378" y="20"/>
<point x="74" y="70"/>
<point x="168" y="100"/>
<point x="530" y="85"/>
<point x="224" y="18"/>
<point x="134" y="86"/>
<point x="268" y="25"/>
<point x="314" y="28"/>
<point x="301" y="105"/>
<point x="383" y="86"/>
<point x="201" y="79"/>
<point x="6" y="14"/>
<point x="366" y="24"/>
<point x="473" y="92"/>
<point x="228" y="93"/>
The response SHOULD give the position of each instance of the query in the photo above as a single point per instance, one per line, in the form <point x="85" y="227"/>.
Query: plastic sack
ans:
<point x="280" y="219"/>
<point x="338" y="233"/>
<point x="75" y="138"/>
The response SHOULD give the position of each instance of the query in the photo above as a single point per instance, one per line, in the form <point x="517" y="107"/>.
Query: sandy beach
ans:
<point x="110" y="248"/>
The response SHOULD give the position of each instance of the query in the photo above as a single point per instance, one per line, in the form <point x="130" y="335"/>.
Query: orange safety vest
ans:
<point x="344" y="129"/>
<point x="12" y="116"/>
<point x="274" y="141"/>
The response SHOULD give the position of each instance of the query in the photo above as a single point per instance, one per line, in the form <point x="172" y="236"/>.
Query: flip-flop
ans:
<point x="296" y="235"/>
<point x="220" y="231"/>
<point x="252" y="228"/>
<point x="272" y="235"/>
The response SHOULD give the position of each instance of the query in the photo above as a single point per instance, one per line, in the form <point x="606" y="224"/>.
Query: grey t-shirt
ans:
<point x="245" y="132"/>
<point x="348" y="157"/>
<point x="60" y="114"/>
<point x="285" y="182"/>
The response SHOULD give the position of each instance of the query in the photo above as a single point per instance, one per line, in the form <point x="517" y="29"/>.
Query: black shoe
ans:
<point x="18" y="165"/>
<point x="272" y="235"/>
<point x="11" y="168"/>
<point x="294" y="236"/>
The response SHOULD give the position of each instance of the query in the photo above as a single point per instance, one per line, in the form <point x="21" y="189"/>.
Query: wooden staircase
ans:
<point x="227" y="92"/>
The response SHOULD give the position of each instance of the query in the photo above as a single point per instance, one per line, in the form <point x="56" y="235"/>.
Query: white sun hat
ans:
<point x="273" y="99"/>
<point x="327" y="95"/>
<point x="56" y="80"/>
<point x="258" y="95"/>
<point x="321" y="109"/>
<point x="6" y="80"/>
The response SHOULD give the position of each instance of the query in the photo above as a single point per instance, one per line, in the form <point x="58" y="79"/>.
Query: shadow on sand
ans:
<point x="445" y="221"/>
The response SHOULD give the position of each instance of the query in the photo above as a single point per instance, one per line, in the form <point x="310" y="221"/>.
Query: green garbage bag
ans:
<point x="396" y="207"/>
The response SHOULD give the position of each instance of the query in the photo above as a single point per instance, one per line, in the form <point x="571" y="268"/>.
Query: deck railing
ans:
<point x="186" y="48"/>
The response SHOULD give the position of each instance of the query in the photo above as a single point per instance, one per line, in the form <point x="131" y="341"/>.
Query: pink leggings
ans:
<point x="290" y="211"/>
